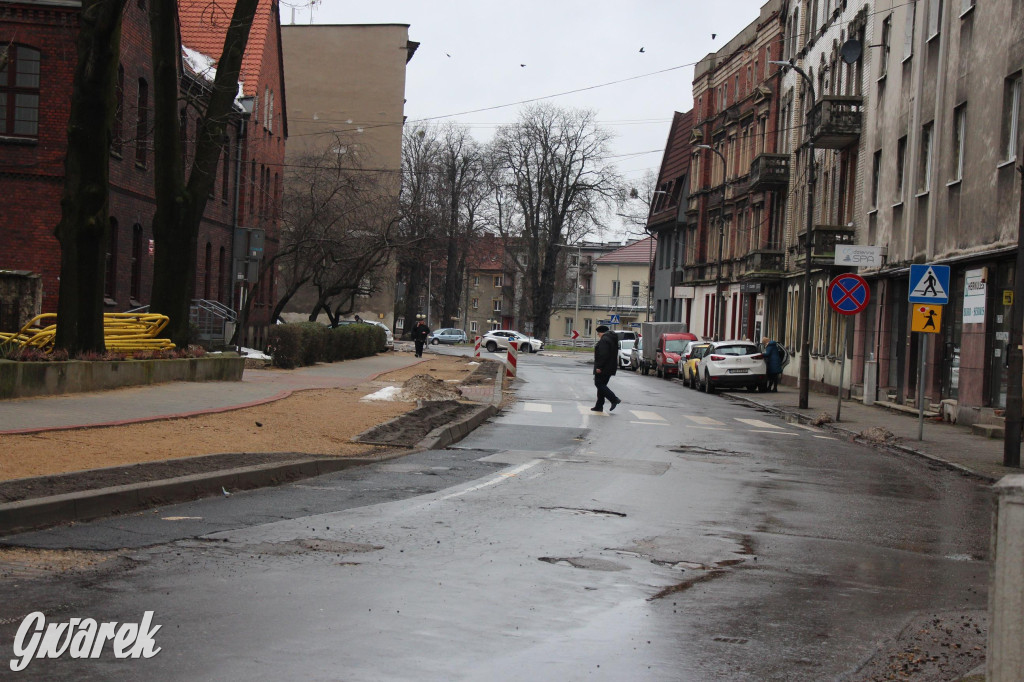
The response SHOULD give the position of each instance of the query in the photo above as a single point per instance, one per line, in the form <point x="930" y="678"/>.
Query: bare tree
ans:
<point x="84" y="227"/>
<point x="180" y="202"/>
<point x="554" y="163"/>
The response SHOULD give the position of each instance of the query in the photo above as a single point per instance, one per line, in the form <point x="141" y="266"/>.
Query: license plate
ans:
<point x="737" y="371"/>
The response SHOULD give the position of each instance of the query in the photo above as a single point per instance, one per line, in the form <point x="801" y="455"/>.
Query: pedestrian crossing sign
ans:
<point x="927" y="319"/>
<point x="929" y="284"/>
<point x="614" y="319"/>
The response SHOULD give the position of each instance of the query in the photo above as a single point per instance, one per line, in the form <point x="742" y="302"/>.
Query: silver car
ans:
<point x="447" y="336"/>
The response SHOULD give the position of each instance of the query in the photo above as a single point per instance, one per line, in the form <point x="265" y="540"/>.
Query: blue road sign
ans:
<point x="929" y="284"/>
<point x="848" y="294"/>
<point x="634" y="325"/>
<point x="615" y="319"/>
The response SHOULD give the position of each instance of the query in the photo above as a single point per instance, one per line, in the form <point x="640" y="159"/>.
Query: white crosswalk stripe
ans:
<point x="706" y="421"/>
<point x="758" y="424"/>
<point x="647" y="416"/>
<point x="537" y="407"/>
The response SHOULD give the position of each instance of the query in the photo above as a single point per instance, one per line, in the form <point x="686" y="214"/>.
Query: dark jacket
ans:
<point x="774" y="357"/>
<point x="606" y="354"/>
<point x="420" y="332"/>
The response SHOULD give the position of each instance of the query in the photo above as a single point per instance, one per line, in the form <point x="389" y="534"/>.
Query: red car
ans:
<point x="670" y="348"/>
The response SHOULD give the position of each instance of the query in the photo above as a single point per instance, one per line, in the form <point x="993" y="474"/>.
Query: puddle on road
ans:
<point x="585" y="512"/>
<point x="584" y="562"/>
<point x="706" y="452"/>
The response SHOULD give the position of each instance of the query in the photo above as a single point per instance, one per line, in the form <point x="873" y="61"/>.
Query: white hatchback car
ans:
<point x="498" y="339"/>
<point x="732" y="364"/>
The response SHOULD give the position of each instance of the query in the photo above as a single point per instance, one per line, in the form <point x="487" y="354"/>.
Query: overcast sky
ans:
<point x="565" y="45"/>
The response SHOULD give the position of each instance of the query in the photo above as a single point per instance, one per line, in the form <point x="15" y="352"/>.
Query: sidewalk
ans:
<point x="952" y="445"/>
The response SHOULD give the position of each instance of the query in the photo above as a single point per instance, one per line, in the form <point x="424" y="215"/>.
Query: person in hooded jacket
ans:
<point x="606" y="363"/>
<point x="775" y="358"/>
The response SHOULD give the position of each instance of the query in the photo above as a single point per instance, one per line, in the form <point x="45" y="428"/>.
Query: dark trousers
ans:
<point x="601" y="381"/>
<point x="773" y="381"/>
<point x="419" y="348"/>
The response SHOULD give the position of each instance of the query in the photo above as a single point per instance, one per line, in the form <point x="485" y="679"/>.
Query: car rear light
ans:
<point x="759" y="356"/>
<point x="718" y="357"/>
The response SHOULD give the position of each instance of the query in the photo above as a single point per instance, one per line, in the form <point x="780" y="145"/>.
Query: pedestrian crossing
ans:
<point x="653" y="418"/>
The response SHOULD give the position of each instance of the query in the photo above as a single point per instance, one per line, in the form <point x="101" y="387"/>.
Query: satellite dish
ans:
<point x="851" y="51"/>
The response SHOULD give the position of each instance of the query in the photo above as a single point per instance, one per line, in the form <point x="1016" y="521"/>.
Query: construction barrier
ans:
<point x="512" y="359"/>
<point x="121" y="332"/>
<point x="476" y="348"/>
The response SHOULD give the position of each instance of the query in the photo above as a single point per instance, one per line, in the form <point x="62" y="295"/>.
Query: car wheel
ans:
<point x="708" y="387"/>
<point x="751" y="388"/>
<point x="491" y="346"/>
<point x="434" y="342"/>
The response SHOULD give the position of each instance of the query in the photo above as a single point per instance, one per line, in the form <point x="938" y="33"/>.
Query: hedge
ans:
<point x="307" y="343"/>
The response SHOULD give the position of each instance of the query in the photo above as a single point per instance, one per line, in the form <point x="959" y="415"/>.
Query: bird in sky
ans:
<point x="522" y="65"/>
<point x="641" y="49"/>
<point x="447" y="55"/>
<point x="713" y="35"/>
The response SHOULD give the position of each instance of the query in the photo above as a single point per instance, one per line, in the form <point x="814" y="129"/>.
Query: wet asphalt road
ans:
<point x="683" y="537"/>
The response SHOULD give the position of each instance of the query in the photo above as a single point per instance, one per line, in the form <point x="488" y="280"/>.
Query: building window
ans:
<point x="473" y="327"/>
<point x="476" y="304"/>
<point x="207" y="267"/>
<point x="901" y="162"/>
<point x="117" y="134"/>
<point x="615" y="289"/>
<point x="588" y="327"/>
<point x="1011" y="117"/>
<point x="266" y="107"/>
<point x="225" y="185"/>
<point x="495" y="325"/>
<point x="225" y="282"/>
<point x="924" y="173"/>
<point x="136" y="288"/>
<point x="568" y="326"/>
<point x="142" y="125"/>
<point x="934" y="17"/>
<point x="497" y="281"/>
<point x="476" y="280"/>
<point x="908" y="31"/>
<point x="19" y="93"/>
<point x="959" y="131"/>
<point x="110" y="274"/>
<point x="496" y="305"/>
<point x="876" y="171"/>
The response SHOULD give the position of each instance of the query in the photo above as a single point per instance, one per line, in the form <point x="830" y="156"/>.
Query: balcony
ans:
<point x="624" y="304"/>
<point x="836" y="121"/>
<point x="736" y="188"/>
<point x="823" y="250"/>
<point x="765" y="264"/>
<point x="769" y="172"/>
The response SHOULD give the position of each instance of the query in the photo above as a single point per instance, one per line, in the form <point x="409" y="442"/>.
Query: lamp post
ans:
<point x="805" y="331"/>
<point x="719" y="298"/>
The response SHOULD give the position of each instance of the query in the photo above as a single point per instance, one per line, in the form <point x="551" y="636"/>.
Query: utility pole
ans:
<point x="805" y="300"/>
<point x="1015" y="356"/>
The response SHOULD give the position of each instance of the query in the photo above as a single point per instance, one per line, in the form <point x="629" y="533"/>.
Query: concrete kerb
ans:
<point x="855" y="436"/>
<point x="443" y="436"/>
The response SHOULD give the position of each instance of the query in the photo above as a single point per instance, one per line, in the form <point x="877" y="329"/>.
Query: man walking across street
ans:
<point x="419" y="335"/>
<point x="606" y="362"/>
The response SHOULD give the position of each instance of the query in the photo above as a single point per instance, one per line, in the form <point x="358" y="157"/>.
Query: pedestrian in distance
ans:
<point x="419" y="336"/>
<point x="775" y="358"/>
<point x="606" y="363"/>
<point x="358" y="319"/>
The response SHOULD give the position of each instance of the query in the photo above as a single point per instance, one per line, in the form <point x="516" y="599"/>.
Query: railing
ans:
<point x="823" y="247"/>
<point x="737" y="187"/>
<point x="211" y="318"/>
<point x="566" y="301"/>
<point x="768" y="171"/>
<point x="836" y="121"/>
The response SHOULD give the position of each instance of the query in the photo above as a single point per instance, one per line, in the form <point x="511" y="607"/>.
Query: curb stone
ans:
<point x="855" y="436"/>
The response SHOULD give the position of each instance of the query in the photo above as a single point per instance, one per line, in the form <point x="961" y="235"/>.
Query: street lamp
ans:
<point x="805" y="331"/>
<point x="720" y="313"/>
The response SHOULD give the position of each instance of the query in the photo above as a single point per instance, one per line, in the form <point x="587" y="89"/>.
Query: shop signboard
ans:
<point x="974" y="296"/>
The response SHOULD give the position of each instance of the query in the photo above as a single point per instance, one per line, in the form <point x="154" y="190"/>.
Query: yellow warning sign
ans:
<point x="927" y="318"/>
<point x="1007" y="296"/>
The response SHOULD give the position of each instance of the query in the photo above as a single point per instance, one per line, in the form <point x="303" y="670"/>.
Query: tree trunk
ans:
<point x="84" y="227"/>
<point x="180" y="205"/>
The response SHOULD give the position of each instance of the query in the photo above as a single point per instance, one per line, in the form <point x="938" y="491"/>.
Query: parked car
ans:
<point x="389" y="338"/>
<point x="625" y="352"/>
<point x="692" y="354"/>
<point x="636" y="355"/>
<point x="732" y="364"/>
<point x="669" y="353"/>
<point x="497" y="339"/>
<point x="627" y="335"/>
<point x="447" y="336"/>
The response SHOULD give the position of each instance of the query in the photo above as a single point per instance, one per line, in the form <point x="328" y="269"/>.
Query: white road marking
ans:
<point x="708" y="428"/>
<point x="183" y="518"/>
<point x="703" y="420"/>
<point x="826" y="437"/>
<point x="647" y="416"/>
<point x="585" y="411"/>
<point x="757" y="423"/>
<point x="500" y="478"/>
<point x="651" y="423"/>
<point x="536" y="407"/>
<point x="774" y="433"/>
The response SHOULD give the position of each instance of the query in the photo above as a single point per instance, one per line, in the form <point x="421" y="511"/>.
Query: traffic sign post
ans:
<point x="848" y="295"/>
<point x="929" y="284"/>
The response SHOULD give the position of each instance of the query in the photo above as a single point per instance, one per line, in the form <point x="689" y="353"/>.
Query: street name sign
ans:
<point x="929" y="284"/>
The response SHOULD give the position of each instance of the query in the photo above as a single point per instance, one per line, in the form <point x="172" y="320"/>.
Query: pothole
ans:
<point x="25" y="562"/>
<point x="697" y="450"/>
<point x="585" y="512"/>
<point x="588" y="563"/>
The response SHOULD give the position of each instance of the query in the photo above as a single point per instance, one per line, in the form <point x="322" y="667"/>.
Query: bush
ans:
<point x="285" y="345"/>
